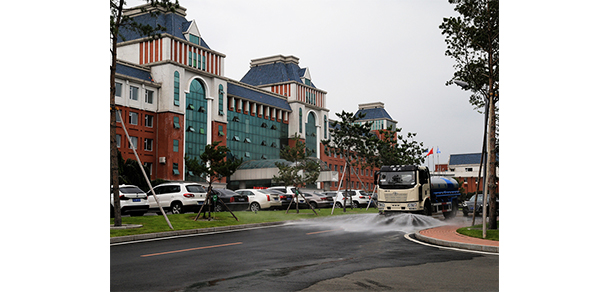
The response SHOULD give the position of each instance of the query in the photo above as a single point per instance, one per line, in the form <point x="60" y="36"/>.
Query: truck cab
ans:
<point x="403" y="188"/>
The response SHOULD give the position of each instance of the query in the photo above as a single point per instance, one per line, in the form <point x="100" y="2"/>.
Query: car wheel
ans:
<point x="176" y="208"/>
<point x="313" y="204"/>
<point x="356" y="204"/>
<point x="218" y="208"/>
<point x="465" y="212"/>
<point x="338" y="205"/>
<point x="255" y="207"/>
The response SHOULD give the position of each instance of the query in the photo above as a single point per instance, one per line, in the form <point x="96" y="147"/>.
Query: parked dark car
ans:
<point x="469" y="206"/>
<point x="233" y="200"/>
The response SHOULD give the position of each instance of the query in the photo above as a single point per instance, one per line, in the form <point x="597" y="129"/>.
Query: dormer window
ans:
<point x="307" y="82"/>
<point x="194" y="39"/>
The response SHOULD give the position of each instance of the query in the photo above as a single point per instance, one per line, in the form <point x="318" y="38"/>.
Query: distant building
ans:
<point x="465" y="168"/>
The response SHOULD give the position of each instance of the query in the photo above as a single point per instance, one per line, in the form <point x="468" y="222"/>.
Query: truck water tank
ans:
<point x="441" y="184"/>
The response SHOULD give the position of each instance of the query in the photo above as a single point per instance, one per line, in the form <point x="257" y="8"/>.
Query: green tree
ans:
<point x="393" y="149"/>
<point x="118" y="21"/>
<point x="300" y="171"/>
<point x="473" y="42"/>
<point x="213" y="164"/>
<point x="352" y="140"/>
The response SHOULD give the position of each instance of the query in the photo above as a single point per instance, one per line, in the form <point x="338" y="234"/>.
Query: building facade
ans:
<point x="174" y="99"/>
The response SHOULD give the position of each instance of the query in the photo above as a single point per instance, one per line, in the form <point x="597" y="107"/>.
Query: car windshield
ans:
<point x="479" y="199"/>
<point x="397" y="179"/>
<point x="131" y="190"/>
<point x="195" y="189"/>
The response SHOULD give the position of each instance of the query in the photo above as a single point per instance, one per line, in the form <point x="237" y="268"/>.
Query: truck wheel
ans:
<point x="427" y="208"/>
<point x="449" y="215"/>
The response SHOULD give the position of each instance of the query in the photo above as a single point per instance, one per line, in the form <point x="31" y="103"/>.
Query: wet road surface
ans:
<point x="355" y="252"/>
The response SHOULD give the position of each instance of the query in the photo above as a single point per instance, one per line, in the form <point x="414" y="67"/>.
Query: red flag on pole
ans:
<point x="431" y="152"/>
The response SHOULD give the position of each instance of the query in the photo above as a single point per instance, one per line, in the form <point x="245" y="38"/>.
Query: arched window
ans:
<point x="221" y="93"/>
<point x="310" y="134"/>
<point x="176" y="88"/>
<point x="195" y="121"/>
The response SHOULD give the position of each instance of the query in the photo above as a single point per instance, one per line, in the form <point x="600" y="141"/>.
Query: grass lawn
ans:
<point x="152" y="224"/>
<point x="477" y="231"/>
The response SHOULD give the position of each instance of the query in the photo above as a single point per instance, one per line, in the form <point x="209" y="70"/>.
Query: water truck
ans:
<point x="409" y="188"/>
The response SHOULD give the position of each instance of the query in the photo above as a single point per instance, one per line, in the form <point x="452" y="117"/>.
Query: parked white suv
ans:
<point x="360" y="198"/>
<point x="177" y="197"/>
<point x="133" y="201"/>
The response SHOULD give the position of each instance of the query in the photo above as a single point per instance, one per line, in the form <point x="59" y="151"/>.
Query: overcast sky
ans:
<point x="359" y="52"/>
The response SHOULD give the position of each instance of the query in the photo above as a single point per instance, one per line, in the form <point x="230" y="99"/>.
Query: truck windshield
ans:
<point x="397" y="180"/>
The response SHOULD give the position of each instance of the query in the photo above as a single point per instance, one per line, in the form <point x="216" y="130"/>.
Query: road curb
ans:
<point x="128" y="238"/>
<point x="461" y="245"/>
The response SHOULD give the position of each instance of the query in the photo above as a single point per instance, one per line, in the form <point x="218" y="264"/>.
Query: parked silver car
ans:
<point x="316" y="200"/>
<point x="261" y="199"/>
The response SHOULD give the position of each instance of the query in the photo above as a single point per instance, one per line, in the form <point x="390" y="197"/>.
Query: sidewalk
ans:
<point x="447" y="236"/>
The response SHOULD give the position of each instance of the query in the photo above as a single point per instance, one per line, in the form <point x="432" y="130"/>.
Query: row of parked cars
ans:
<point x="181" y="197"/>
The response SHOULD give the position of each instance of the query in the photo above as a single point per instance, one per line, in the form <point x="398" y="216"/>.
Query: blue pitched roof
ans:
<point x="256" y="96"/>
<point x="374" y="114"/>
<point x="274" y="73"/>
<point x="174" y="24"/>
<point x="133" y="72"/>
<point x="471" y="158"/>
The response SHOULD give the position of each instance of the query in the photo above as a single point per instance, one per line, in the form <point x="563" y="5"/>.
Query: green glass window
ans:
<point x="203" y="62"/>
<point x="176" y="145"/>
<point x="176" y="123"/>
<point x="194" y="39"/>
<point x="195" y="139"/>
<point x="176" y="88"/>
<point x="300" y="120"/>
<point x="190" y="129"/>
<point x="190" y="58"/>
<point x="221" y="131"/>
<point x="198" y="61"/>
<point x="175" y="169"/>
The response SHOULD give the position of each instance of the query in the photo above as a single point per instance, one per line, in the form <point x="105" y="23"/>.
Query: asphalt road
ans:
<point x="358" y="252"/>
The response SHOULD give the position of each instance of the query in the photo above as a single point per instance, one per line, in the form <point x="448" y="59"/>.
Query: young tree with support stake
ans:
<point x="352" y="140"/>
<point x="213" y="164"/>
<point x="117" y="21"/>
<point x="301" y="172"/>
<point x="473" y="42"/>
